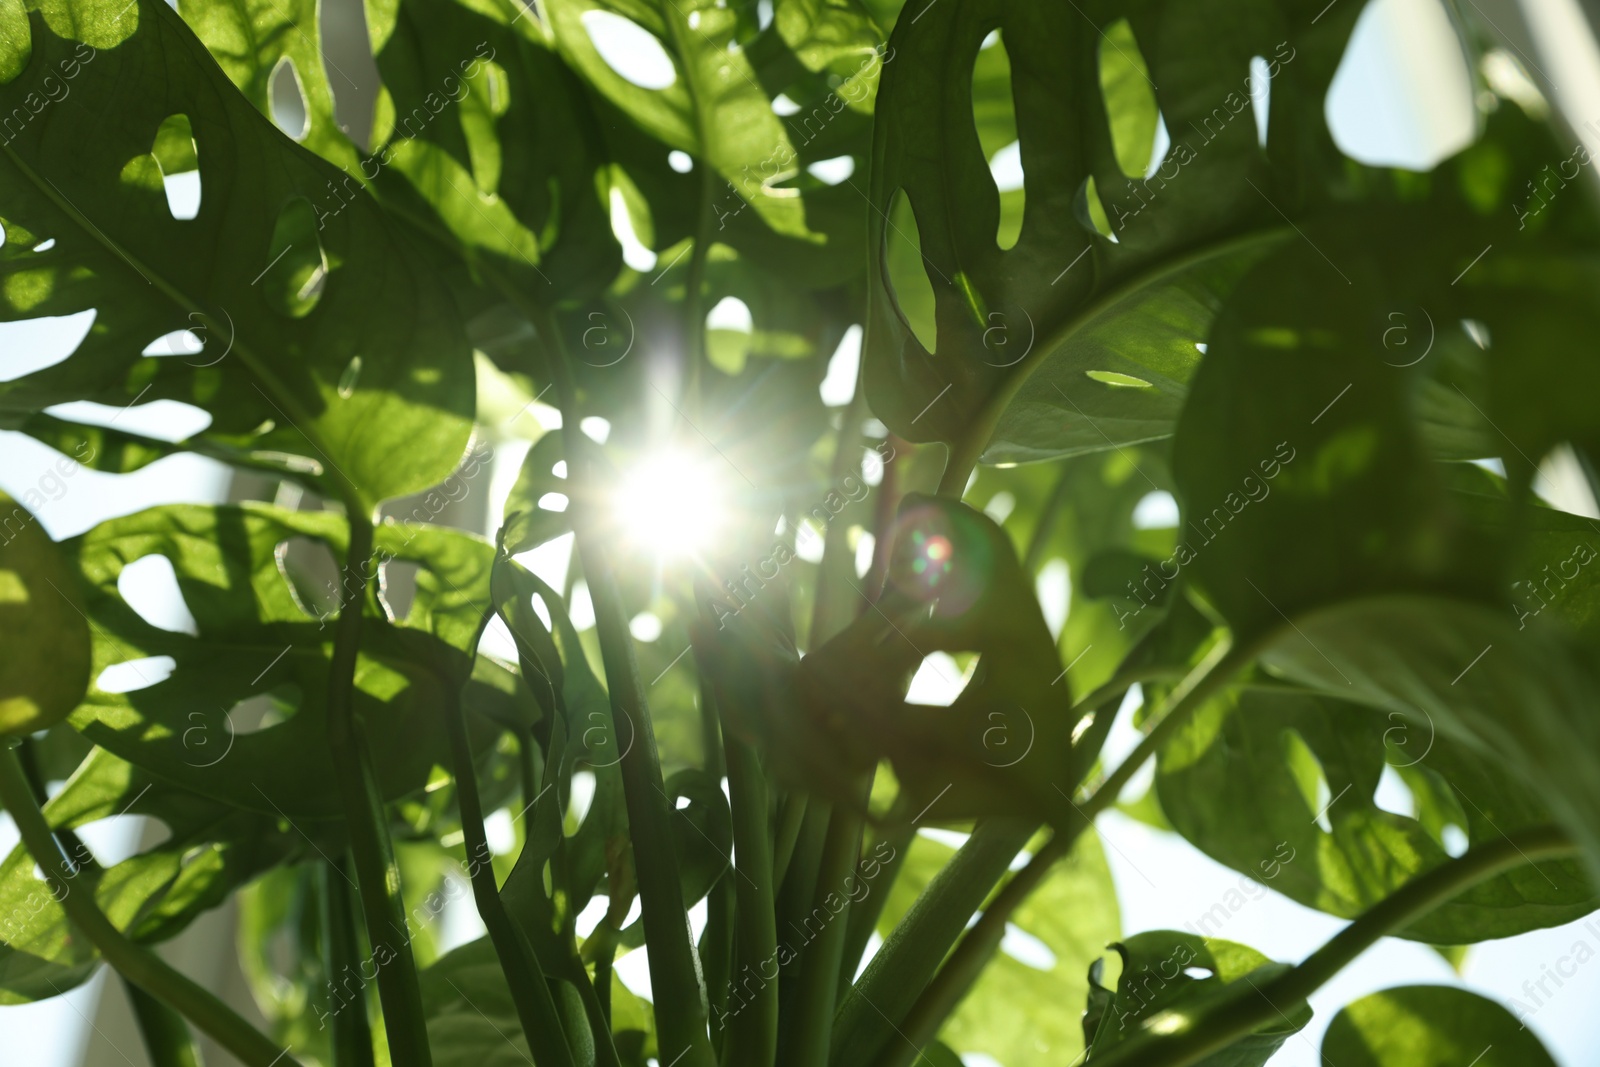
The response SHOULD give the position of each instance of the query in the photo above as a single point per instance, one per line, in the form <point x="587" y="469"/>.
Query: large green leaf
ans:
<point x="487" y="135"/>
<point x="46" y="667"/>
<point x="209" y="851"/>
<point x="1523" y="698"/>
<point x="1430" y="1026"/>
<point x="1265" y="751"/>
<point x="328" y="341"/>
<point x="1164" y="969"/>
<point x="715" y="106"/>
<point x="254" y="636"/>
<point x="1066" y="300"/>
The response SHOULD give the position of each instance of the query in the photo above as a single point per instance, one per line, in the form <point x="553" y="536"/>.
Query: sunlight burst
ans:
<point x="674" y="503"/>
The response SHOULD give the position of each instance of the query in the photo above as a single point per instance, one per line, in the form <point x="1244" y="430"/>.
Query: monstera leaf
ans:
<point x="328" y="346"/>
<point x="1266" y="751"/>
<point x="209" y="851"/>
<point x="1166" y="969"/>
<point x="1083" y="336"/>
<point x="487" y="135"/>
<point x="1430" y="1026"/>
<point x="254" y="637"/>
<point x="1519" y="697"/>
<point x="1085" y="333"/>
<point x="47" y="664"/>
<point x="710" y="93"/>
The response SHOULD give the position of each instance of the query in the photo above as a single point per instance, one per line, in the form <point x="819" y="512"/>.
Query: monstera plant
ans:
<point x="378" y="263"/>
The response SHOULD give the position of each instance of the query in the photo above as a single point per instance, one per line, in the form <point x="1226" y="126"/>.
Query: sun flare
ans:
<point x="673" y="503"/>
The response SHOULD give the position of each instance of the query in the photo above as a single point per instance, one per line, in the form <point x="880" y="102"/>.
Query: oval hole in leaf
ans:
<point x="1053" y="587"/>
<point x="908" y="281"/>
<point x="1091" y="213"/>
<point x="347" y="380"/>
<point x="312" y="575"/>
<point x="149" y="586"/>
<point x="350" y="70"/>
<point x="1402" y="95"/>
<point x="122" y="836"/>
<point x="1118" y="380"/>
<point x="994" y="113"/>
<point x="295" y="265"/>
<point x="582" y="799"/>
<point x="1393" y="795"/>
<point x="176" y="343"/>
<point x="1156" y="510"/>
<point x="1261" y="96"/>
<point x="30" y="345"/>
<point x="1200" y="973"/>
<point x="263" y="711"/>
<point x="630" y="50"/>
<point x="839" y="384"/>
<point x="132" y="675"/>
<point x="937" y="682"/>
<point x="1130" y="99"/>
<point x="1454" y="840"/>
<point x="729" y="328"/>
<point x="288" y="99"/>
<point x="397" y="587"/>
<point x="832" y="171"/>
<point x="541" y="609"/>
<point x="179" y="160"/>
<point x="553" y="502"/>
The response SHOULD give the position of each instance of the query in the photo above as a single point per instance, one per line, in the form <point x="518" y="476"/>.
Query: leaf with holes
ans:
<point x="1166" y="969"/>
<point x="1314" y="772"/>
<point x="208" y="851"/>
<point x="179" y="702"/>
<point x="46" y="669"/>
<point x="1082" y="331"/>
<point x="329" y="348"/>
<point x="1517" y="696"/>
<point x="695" y="83"/>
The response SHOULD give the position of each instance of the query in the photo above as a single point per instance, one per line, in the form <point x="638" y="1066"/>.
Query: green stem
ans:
<point x="674" y="972"/>
<point x="166" y="1035"/>
<point x="955" y="979"/>
<point x="965" y="452"/>
<point x="1179" y="1037"/>
<point x="525" y="978"/>
<point x="377" y="875"/>
<point x="352" y="1032"/>
<point x="821" y="959"/>
<point x="598" y="1014"/>
<point x="866" y="1021"/>
<point x="1046" y="523"/>
<point x="752" y="1024"/>
<point x="944" y="992"/>
<point x="865" y="913"/>
<point x="791" y="818"/>
<point x="134" y="962"/>
<point x="1198" y="686"/>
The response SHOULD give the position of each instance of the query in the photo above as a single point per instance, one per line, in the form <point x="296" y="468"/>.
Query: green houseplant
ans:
<point x="1216" y="319"/>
